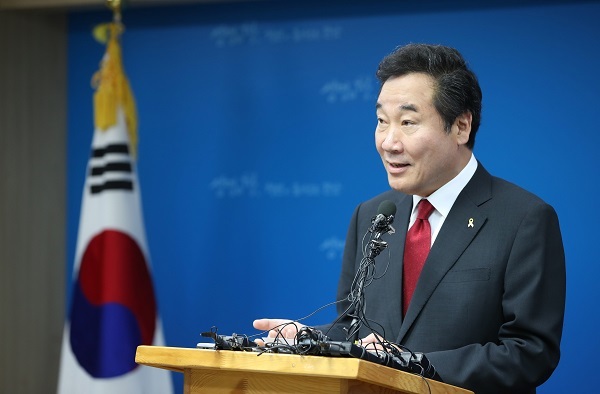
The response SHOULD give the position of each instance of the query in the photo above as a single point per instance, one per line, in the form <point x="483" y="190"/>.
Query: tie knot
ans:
<point x="424" y="209"/>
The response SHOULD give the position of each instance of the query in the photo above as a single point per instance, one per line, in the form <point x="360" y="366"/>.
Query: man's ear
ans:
<point x="462" y="126"/>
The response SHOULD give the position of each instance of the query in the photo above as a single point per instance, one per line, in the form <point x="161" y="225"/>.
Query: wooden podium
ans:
<point x="224" y="371"/>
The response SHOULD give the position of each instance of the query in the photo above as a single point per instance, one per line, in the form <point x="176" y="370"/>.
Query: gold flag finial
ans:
<point x="113" y="92"/>
<point x="115" y="6"/>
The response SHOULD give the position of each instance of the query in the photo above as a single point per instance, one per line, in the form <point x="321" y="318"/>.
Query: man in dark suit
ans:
<point x="486" y="304"/>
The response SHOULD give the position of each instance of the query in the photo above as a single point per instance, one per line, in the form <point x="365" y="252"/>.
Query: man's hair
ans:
<point x="456" y="89"/>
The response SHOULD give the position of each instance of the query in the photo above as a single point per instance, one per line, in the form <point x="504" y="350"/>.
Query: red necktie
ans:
<point x="416" y="249"/>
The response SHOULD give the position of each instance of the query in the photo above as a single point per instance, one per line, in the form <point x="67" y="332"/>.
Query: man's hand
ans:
<point x="369" y="340"/>
<point x="372" y="343"/>
<point x="278" y="327"/>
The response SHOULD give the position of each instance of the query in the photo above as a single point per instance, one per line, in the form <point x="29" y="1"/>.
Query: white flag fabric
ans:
<point x="113" y="305"/>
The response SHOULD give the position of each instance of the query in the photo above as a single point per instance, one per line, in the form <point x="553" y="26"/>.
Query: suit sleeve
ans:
<point x="528" y="346"/>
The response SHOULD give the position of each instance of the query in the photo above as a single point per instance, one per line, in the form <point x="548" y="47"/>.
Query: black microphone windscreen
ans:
<point x="387" y="208"/>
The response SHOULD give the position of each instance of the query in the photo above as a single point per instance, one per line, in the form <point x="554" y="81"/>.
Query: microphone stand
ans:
<point x="375" y="247"/>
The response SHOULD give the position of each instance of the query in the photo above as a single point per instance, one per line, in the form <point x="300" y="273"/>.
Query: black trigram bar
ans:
<point x="121" y="166"/>
<point x="112" y="185"/>
<point x="114" y="148"/>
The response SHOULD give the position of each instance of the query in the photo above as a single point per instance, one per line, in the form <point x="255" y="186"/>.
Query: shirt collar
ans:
<point x="444" y="197"/>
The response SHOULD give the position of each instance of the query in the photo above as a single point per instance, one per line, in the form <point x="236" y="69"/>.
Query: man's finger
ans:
<point x="368" y="339"/>
<point x="262" y="324"/>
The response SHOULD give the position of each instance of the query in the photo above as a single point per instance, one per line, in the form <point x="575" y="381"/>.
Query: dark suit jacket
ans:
<point x="489" y="305"/>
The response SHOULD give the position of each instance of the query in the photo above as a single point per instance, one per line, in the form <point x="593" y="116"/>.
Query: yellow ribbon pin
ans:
<point x="471" y="224"/>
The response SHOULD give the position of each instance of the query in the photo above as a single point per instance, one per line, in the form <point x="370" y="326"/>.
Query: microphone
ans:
<point x="385" y="217"/>
<point x="380" y="224"/>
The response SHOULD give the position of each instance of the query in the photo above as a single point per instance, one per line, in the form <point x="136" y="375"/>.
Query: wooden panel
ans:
<point x="32" y="199"/>
<point x="225" y="382"/>
<point x="358" y="374"/>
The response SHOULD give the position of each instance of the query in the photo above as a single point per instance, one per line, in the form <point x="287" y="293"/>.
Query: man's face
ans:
<point x="417" y="152"/>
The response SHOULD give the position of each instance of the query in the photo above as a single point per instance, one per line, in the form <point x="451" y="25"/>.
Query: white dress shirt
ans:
<point x="444" y="197"/>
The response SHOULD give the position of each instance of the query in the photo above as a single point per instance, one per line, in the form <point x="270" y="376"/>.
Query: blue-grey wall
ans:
<point x="256" y="143"/>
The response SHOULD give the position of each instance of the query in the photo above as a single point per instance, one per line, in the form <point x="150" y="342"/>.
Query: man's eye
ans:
<point x="407" y="123"/>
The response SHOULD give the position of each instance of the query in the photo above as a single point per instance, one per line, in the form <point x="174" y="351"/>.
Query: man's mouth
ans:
<point x="397" y="165"/>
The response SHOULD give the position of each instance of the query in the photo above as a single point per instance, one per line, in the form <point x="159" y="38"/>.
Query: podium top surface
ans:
<point x="181" y="359"/>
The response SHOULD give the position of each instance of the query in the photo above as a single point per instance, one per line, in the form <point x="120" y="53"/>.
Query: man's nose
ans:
<point x="392" y="141"/>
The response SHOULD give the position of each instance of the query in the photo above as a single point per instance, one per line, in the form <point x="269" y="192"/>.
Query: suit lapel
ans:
<point x="403" y="211"/>
<point x="460" y="227"/>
